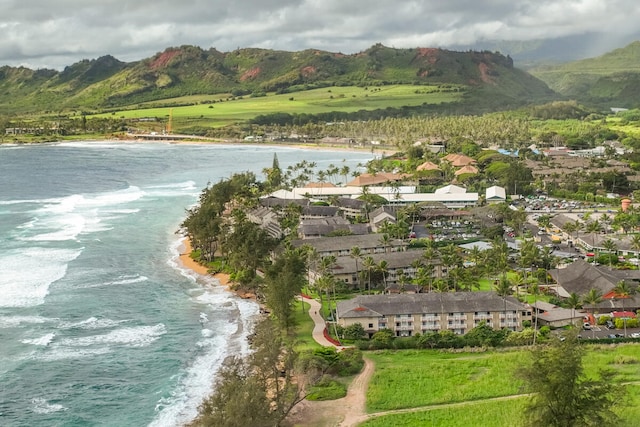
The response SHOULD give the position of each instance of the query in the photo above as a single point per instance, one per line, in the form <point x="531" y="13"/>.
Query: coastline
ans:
<point x="224" y="278"/>
<point x="193" y="265"/>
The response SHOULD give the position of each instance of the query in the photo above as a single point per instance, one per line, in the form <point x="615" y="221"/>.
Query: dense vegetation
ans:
<point x="610" y="80"/>
<point x="188" y="70"/>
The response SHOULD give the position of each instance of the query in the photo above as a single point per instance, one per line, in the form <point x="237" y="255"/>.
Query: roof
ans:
<point x="434" y="302"/>
<point x="341" y="243"/>
<point x="496" y="192"/>
<point x="580" y="277"/>
<point x="483" y="246"/>
<point x="319" y="185"/>
<point x="374" y="179"/>
<point x="459" y="160"/>
<point x="466" y="169"/>
<point x="451" y="189"/>
<point x="428" y="166"/>
<point x="395" y="260"/>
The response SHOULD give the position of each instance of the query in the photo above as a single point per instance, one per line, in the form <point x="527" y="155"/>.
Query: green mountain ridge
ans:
<point x="609" y="80"/>
<point x="106" y="82"/>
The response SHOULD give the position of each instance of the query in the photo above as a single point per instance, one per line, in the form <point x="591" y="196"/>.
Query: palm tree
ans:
<point x="593" y="227"/>
<point x="356" y="254"/>
<point x="383" y="268"/>
<point x="369" y="265"/>
<point x="535" y="291"/>
<point x="623" y="291"/>
<point x="592" y="298"/>
<point x="573" y="302"/>
<point x="385" y="241"/>
<point x="503" y="289"/>
<point x="635" y="245"/>
<point x="612" y="249"/>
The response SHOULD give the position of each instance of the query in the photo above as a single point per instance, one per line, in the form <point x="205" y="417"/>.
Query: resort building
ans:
<point x="409" y="314"/>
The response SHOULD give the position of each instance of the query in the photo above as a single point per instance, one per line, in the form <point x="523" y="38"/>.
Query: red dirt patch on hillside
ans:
<point x="309" y="70"/>
<point x="163" y="59"/>
<point x="430" y="53"/>
<point x="250" y="74"/>
<point x="484" y="73"/>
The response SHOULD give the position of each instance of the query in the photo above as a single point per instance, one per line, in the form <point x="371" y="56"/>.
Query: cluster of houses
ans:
<point x="402" y="307"/>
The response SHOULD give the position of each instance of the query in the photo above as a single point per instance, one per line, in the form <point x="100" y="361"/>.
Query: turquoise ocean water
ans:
<point x="99" y="324"/>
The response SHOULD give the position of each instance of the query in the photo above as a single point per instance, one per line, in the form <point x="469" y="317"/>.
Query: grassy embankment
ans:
<point x="414" y="379"/>
<point x="225" y="110"/>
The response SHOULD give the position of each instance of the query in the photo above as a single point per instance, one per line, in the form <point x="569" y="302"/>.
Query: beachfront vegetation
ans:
<point x="259" y="390"/>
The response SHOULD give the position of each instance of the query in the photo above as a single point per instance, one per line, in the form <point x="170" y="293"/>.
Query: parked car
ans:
<point x="610" y="325"/>
<point x="635" y="335"/>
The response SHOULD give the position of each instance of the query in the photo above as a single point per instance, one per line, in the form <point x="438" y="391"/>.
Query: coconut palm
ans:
<point x="534" y="290"/>
<point x="611" y="247"/>
<point x="592" y="298"/>
<point x="356" y="254"/>
<point x="635" y="245"/>
<point x="503" y="289"/>
<point x="573" y="302"/>
<point x="622" y="291"/>
<point x="383" y="268"/>
<point x="369" y="265"/>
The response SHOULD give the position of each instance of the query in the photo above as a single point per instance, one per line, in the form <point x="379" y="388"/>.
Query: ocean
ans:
<point x="99" y="323"/>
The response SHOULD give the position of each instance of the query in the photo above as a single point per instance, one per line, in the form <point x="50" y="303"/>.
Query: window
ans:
<point x="370" y="325"/>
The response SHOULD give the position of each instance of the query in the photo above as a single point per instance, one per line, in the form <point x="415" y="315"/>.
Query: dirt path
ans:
<point x="348" y="411"/>
<point x="354" y="403"/>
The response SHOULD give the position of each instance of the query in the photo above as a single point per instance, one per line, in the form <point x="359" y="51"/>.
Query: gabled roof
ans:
<point x="459" y="160"/>
<point x="450" y="189"/>
<point x="580" y="277"/>
<point x="466" y="169"/>
<point x="496" y="192"/>
<point x="428" y="166"/>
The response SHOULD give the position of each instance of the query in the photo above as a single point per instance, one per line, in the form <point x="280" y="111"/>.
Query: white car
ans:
<point x="635" y="335"/>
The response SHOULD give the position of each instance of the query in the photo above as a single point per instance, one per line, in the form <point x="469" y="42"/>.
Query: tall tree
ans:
<point x="573" y="302"/>
<point x="562" y="395"/>
<point x="623" y="291"/>
<point x="356" y="254"/>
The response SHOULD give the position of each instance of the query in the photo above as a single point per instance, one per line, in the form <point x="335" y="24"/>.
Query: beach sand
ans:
<point x="192" y="264"/>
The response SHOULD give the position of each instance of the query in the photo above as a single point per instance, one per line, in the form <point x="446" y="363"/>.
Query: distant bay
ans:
<point x="99" y="324"/>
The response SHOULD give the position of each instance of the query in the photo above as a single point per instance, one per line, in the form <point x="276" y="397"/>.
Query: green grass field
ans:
<point x="411" y="379"/>
<point x="344" y="98"/>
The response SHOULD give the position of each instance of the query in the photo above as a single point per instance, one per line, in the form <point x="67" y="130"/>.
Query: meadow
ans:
<point x="222" y="110"/>
<point x="476" y="388"/>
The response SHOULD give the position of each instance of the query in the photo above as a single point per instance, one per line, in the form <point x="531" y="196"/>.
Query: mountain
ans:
<point x="90" y="85"/>
<point x="609" y="80"/>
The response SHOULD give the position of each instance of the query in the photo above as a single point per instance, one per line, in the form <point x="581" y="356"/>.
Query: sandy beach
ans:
<point x="191" y="264"/>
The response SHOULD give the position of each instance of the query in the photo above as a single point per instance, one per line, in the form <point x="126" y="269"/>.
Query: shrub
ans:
<point x="354" y="332"/>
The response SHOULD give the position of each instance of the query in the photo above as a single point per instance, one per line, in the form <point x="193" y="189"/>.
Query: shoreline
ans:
<point x="223" y="278"/>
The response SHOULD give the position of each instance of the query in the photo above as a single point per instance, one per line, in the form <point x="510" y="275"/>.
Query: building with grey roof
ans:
<point x="409" y="314"/>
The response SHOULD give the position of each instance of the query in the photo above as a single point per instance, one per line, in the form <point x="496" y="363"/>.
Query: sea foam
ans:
<point x="28" y="272"/>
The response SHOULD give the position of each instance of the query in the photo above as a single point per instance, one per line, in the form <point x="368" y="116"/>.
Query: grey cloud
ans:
<point x="56" y="33"/>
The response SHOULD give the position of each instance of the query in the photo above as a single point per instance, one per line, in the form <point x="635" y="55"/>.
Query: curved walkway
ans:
<point x="319" y="323"/>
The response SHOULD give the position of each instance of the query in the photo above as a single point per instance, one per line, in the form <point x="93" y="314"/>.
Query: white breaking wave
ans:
<point x="13" y="321"/>
<point x="228" y="339"/>
<point x="27" y="274"/>
<point x="44" y="340"/>
<point x="136" y="336"/>
<point x="41" y="406"/>
<point x="93" y="323"/>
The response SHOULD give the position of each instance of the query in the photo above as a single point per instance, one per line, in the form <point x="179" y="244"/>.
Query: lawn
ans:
<point x="303" y="339"/>
<point x="406" y="379"/>
<point x="505" y="413"/>
<point x="411" y="379"/>
<point x="345" y="98"/>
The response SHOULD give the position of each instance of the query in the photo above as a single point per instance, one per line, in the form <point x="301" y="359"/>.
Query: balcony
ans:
<point x="430" y="318"/>
<point x="480" y="317"/>
<point x="458" y="318"/>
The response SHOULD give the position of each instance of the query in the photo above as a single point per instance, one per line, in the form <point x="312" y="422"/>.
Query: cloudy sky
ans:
<point x="56" y="33"/>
